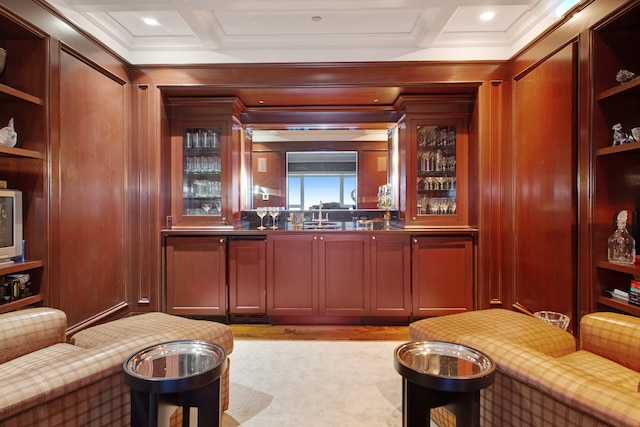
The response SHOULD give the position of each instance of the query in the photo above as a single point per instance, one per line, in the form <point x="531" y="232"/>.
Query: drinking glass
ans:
<point x="206" y="207"/>
<point x="274" y="212"/>
<point x="262" y="212"/>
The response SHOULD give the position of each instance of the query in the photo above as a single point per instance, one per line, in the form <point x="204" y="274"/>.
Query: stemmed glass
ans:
<point x="421" y="206"/>
<point x="206" y="207"/>
<point x="444" y="206"/>
<point x="262" y="212"/>
<point x="274" y="212"/>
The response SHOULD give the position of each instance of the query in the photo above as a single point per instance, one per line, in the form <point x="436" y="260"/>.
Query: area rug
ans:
<point x="308" y="383"/>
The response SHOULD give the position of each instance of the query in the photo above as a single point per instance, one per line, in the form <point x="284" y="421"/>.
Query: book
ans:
<point x="634" y="292"/>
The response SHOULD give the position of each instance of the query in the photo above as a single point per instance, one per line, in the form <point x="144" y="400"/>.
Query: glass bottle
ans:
<point x="621" y="246"/>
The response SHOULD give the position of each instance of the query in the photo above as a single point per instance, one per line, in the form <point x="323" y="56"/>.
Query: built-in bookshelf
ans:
<point x="23" y="97"/>
<point x="616" y="166"/>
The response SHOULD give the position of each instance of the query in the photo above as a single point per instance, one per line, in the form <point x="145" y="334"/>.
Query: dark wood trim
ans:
<point x="109" y="314"/>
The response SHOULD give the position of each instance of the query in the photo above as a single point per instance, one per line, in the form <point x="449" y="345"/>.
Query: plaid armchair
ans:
<point x="45" y="381"/>
<point x="541" y="380"/>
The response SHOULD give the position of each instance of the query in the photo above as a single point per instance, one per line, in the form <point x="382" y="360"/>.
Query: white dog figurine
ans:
<point x="620" y="137"/>
<point x="8" y="135"/>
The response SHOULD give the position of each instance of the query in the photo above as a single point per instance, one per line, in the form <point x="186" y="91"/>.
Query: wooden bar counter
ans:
<point x="341" y="274"/>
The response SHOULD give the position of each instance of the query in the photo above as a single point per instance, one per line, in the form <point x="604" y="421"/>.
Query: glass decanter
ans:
<point x="621" y="246"/>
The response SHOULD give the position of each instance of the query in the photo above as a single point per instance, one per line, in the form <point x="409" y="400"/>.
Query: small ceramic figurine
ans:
<point x="620" y="137"/>
<point x="8" y="135"/>
<point x="624" y="76"/>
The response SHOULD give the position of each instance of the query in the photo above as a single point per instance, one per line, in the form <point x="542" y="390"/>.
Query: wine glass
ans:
<point x="444" y="206"/>
<point x="206" y="207"/>
<point x="218" y="204"/>
<point x="274" y="212"/>
<point x="262" y="212"/>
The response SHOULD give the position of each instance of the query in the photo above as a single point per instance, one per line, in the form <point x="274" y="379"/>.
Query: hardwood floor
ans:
<point x="320" y="332"/>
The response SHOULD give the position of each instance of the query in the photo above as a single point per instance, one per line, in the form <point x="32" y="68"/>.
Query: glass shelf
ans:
<point x="202" y="172"/>
<point x="436" y="170"/>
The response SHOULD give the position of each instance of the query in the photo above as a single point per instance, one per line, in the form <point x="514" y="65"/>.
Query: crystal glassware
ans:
<point x="621" y="247"/>
<point x="274" y="212"/>
<point x="262" y="212"/>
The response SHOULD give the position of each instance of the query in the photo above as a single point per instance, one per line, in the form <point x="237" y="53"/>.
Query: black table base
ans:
<point x="417" y="402"/>
<point x="207" y="399"/>
<point x="440" y="374"/>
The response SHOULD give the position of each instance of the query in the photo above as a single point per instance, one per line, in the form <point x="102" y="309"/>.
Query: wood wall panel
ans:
<point x="544" y="159"/>
<point x="372" y="172"/>
<point x="269" y="173"/>
<point x="492" y="98"/>
<point x="143" y="294"/>
<point x="90" y="199"/>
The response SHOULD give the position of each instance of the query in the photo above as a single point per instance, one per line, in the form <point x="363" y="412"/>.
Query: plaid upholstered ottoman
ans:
<point x="162" y="327"/>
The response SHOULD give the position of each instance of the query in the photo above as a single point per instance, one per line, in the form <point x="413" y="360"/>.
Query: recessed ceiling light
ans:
<point x="316" y="18"/>
<point x="150" y="21"/>
<point x="487" y="16"/>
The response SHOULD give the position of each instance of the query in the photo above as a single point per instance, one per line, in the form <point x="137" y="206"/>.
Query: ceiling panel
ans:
<point x="223" y="31"/>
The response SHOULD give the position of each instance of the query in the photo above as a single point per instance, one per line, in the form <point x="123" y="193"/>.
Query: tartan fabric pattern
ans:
<point x="614" y="336"/>
<point x="509" y="403"/>
<point x="603" y="369"/>
<point x="531" y="388"/>
<point x="515" y="327"/>
<point x="25" y="331"/>
<point x="68" y="385"/>
<point x="168" y="326"/>
<point x="101" y="403"/>
<point x="164" y="327"/>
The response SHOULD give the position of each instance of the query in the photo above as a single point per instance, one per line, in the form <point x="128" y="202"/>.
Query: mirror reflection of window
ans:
<point x="327" y="176"/>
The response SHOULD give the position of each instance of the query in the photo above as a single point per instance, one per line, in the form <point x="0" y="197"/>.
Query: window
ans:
<point x="330" y="177"/>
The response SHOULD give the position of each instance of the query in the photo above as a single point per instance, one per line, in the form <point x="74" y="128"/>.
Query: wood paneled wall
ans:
<point x="90" y="195"/>
<point x="372" y="172"/>
<point x="269" y="171"/>
<point x="543" y="152"/>
<point x="107" y="174"/>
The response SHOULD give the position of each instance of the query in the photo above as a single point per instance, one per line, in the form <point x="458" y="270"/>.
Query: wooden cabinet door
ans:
<point x="442" y="275"/>
<point x="345" y="275"/>
<point x="205" y="158"/>
<point x="390" y="275"/>
<point x="247" y="276"/>
<point x="196" y="275"/>
<point x="200" y="152"/>
<point x="292" y="275"/>
<point x="436" y="161"/>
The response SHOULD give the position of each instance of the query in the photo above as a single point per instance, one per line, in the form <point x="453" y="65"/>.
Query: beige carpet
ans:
<point x="312" y="383"/>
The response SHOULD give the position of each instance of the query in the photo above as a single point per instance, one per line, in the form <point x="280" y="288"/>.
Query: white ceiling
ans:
<point x="260" y="31"/>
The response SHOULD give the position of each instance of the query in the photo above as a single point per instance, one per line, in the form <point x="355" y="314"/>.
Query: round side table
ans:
<point x="438" y="374"/>
<point x="180" y="373"/>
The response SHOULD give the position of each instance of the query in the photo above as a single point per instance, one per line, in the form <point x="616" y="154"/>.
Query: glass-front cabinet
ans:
<point x="202" y="172"/>
<point x="435" y="142"/>
<point x="204" y="135"/>
<point x="436" y="170"/>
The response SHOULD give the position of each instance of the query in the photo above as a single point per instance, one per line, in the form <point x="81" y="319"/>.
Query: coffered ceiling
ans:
<point x="271" y="31"/>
